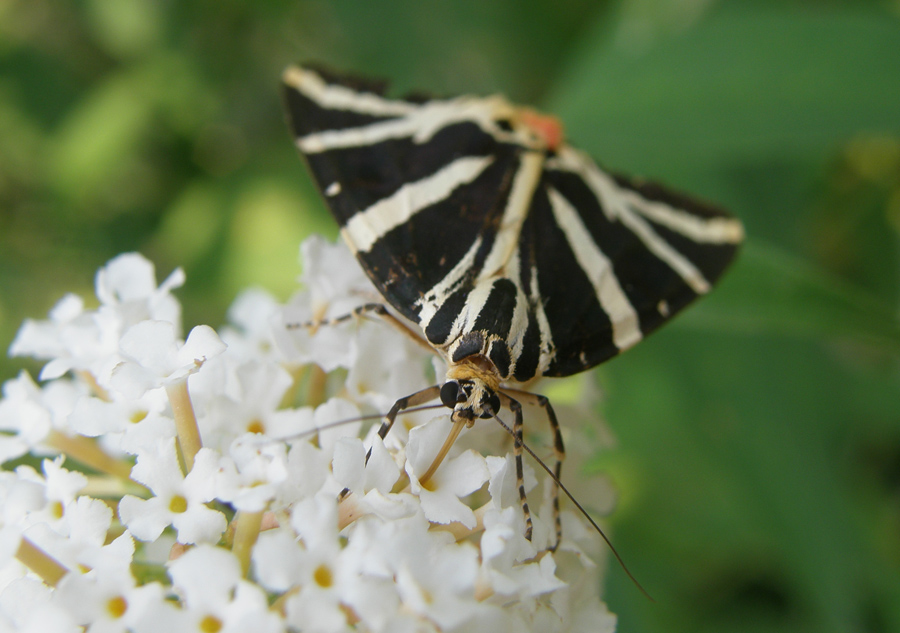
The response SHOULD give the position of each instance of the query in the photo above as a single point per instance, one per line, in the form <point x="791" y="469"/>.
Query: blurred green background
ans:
<point x="758" y="458"/>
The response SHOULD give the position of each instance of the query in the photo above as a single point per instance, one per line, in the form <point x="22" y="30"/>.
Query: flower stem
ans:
<point x="317" y="381"/>
<point x="88" y="452"/>
<point x="91" y="382"/>
<point x="245" y="534"/>
<point x="185" y="422"/>
<point x="38" y="561"/>
<point x="105" y="487"/>
<point x="290" y="396"/>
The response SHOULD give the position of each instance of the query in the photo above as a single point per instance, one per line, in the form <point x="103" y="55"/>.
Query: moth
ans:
<point x="516" y="255"/>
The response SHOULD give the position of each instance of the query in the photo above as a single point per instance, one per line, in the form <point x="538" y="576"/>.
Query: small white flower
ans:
<point x="251" y="474"/>
<point x="250" y="335"/>
<point x="179" y="501"/>
<point x="70" y="528"/>
<point x="502" y="549"/>
<point x="28" y="606"/>
<point x="106" y="597"/>
<point x="321" y="423"/>
<point x="75" y="339"/>
<point x="383" y="366"/>
<point x="109" y="604"/>
<point x="328" y="576"/>
<point x="127" y="286"/>
<point x="322" y="579"/>
<point x="21" y="496"/>
<point x="69" y="339"/>
<point x="307" y="473"/>
<point x="215" y="596"/>
<point x="457" y="477"/>
<point x="254" y="409"/>
<point x="124" y="424"/>
<point x="332" y="276"/>
<point x="47" y="507"/>
<point x="154" y="357"/>
<point x="353" y="471"/>
<point x="334" y="285"/>
<point x="28" y="414"/>
<point x="442" y="589"/>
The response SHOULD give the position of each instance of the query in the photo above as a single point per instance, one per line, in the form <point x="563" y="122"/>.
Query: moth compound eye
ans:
<point x="449" y="393"/>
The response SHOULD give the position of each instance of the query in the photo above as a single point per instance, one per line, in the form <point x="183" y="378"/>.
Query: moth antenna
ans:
<point x="581" y="509"/>
<point x="359" y="418"/>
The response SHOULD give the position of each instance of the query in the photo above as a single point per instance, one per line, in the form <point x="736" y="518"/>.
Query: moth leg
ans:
<point x="516" y="408"/>
<point x="413" y="400"/>
<point x="559" y="451"/>
<point x="378" y="309"/>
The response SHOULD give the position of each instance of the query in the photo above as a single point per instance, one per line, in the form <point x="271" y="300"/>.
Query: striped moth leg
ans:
<point x="377" y="309"/>
<point x="516" y="408"/>
<point x="558" y="449"/>
<point x="413" y="400"/>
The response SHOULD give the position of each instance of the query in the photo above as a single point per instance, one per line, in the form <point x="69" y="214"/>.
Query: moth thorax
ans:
<point x="475" y="367"/>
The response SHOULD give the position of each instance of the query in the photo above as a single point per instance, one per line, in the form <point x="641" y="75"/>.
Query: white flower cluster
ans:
<point x="208" y="490"/>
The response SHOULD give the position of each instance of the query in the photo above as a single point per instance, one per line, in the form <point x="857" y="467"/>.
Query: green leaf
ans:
<point x="770" y="291"/>
<point x="745" y="82"/>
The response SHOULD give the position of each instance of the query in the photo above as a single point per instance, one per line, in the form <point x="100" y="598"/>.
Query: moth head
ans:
<point x="470" y="398"/>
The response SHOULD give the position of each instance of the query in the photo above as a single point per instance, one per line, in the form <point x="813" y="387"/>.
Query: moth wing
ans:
<point x="616" y="257"/>
<point x="413" y="185"/>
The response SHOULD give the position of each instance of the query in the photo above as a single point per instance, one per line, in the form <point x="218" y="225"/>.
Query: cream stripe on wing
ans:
<point x="518" y="203"/>
<point x="659" y="247"/>
<point x="419" y="125"/>
<point x="715" y="230"/>
<point x="617" y="207"/>
<point x="515" y="339"/>
<point x="548" y="349"/>
<point x="337" y="97"/>
<point x="357" y="136"/>
<point x="469" y="314"/>
<point x="432" y="301"/>
<point x="626" y="330"/>
<point x="366" y="227"/>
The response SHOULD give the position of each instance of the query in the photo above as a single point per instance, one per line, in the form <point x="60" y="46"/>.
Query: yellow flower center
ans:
<point x="116" y="607"/>
<point x="429" y="485"/>
<point x="57" y="509"/>
<point x="323" y="576"/>
<point x="210" y="624"/>
<point x="178" y="504"/>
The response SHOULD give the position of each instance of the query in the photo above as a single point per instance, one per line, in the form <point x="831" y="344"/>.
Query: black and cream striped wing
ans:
<point x="616" y="257"/>
<point x="471" y="227"/>
<point x="412" y="185"/>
